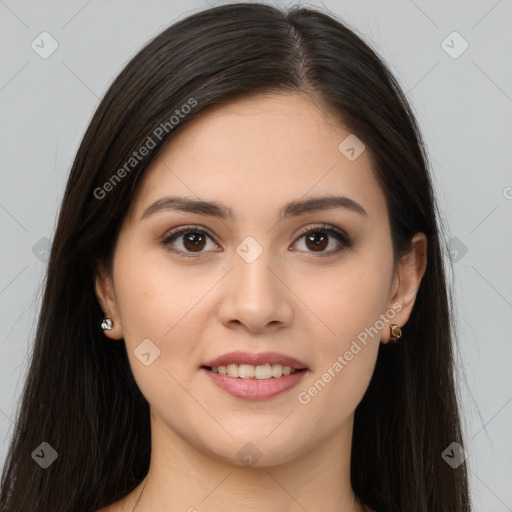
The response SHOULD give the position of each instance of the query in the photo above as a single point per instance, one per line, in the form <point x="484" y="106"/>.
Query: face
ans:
<point x="314" y="284"/>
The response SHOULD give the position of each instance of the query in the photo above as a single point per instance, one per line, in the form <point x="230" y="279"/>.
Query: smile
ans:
<point x="249" y="371"/>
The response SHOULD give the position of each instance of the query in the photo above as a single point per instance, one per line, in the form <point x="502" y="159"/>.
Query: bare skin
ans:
<point x="254" y="155"/>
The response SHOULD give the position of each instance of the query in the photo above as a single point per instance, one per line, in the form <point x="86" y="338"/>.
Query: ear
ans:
<point x="104" y="289"/>
<point x="406" y="282"/>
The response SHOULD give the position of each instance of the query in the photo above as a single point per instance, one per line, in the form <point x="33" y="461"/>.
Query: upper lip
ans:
<point x="256" y="359"/>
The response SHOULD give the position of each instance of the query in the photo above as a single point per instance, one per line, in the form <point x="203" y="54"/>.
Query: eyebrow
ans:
<point x="215" y="209"/>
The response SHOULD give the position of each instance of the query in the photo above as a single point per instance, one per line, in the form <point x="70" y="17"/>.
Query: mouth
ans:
<point x="255" y="376"/>
<point x="249" y="365"/>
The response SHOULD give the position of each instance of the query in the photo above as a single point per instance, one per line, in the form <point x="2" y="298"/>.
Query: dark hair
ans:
<point x="80" y="396"/>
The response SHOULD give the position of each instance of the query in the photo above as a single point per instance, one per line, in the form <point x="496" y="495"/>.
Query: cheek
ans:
<point x="346" y="301"/>
<point x="154" y="296"/>
<point x="162" y="304"/>
<point x="347" y="349"/>
<point x="336" y="391"/>
<point x="167" y="304"/>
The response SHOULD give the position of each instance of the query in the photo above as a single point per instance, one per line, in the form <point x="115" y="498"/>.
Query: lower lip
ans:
<point x="255" y="389"/>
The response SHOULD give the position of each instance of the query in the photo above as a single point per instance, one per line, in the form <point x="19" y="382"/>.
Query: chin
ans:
<point x="258" y="450"/>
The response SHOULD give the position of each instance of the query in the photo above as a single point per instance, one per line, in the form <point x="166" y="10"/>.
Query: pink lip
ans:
<point x="255" y="389"/>
<point x="242" y="357"/>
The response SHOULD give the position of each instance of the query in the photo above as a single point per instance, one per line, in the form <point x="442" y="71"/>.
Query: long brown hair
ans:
<point x="80" y="396"/>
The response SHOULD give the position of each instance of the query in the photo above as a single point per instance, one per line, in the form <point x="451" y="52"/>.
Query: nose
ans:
<point x="256" y="295"/>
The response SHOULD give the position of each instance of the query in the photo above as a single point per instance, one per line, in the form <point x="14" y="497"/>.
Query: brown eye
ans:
<point x="194" y="240"/>
<point x="318" y="239"/>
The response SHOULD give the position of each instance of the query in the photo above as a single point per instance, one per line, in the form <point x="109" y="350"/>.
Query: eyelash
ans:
<point x="341" y="236"/>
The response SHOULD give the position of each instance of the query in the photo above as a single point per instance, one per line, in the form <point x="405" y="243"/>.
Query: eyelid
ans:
<point x="325" y="227"/>
<point x="190" y="227"/>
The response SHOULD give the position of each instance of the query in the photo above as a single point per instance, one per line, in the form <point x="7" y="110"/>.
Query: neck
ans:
<point x="182" y="477"/>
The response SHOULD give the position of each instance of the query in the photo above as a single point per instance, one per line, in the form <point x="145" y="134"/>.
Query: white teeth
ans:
<point x="263" y="371"/>
<point x="246" y="371"/>
<point x="232" y="370"/>
<point x="277" y="370"/>
<point x="249" y="371"/>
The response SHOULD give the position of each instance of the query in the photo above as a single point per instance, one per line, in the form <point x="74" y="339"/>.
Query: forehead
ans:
<point x="265" y="150"/>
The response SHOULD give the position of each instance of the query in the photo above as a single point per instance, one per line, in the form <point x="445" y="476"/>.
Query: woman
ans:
<point x="245" y="305"/>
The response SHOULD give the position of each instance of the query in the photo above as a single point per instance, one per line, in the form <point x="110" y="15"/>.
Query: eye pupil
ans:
<point x="318" y="245"/>
<point x="195" y="240"/>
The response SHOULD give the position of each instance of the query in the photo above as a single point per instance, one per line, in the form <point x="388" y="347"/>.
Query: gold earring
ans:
<point x="396" y="332"/>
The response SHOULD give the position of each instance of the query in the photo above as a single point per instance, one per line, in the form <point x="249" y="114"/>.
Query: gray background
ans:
<point x="464" y="108"/>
